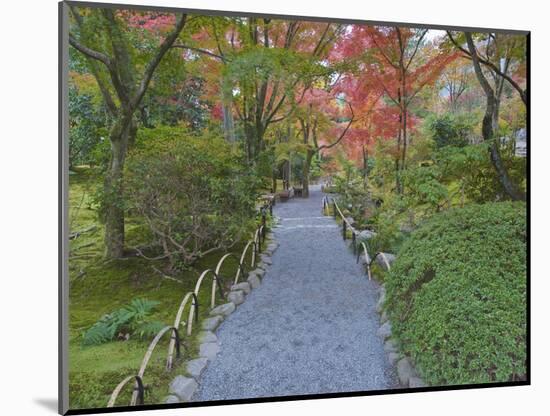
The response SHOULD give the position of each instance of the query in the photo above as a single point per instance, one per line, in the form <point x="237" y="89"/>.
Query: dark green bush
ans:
<point x="193" y="193"/>
<point x="457" y="295"/>
<point x="471" y="169"/>
<point x="451" y="130"/>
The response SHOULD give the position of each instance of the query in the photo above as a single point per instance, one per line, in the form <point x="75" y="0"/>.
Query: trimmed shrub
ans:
<point x="456" y="295"/>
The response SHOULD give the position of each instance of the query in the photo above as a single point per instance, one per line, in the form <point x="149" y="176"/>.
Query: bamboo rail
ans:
<point x="257" y="240"/>
<point x="346" y="224"/>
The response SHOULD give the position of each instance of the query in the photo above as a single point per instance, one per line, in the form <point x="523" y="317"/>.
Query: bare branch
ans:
<point x="492" y="66"/>
<point x="416" y="49"/>
<point x="352" y="119"/>
<point x="199" y="50"/>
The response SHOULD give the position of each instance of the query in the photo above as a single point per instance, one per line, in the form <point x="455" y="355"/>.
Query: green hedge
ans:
<point x="456" y="295"/>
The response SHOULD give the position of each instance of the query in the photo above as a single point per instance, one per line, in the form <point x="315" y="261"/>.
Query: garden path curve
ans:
<point x="311" y="326"/>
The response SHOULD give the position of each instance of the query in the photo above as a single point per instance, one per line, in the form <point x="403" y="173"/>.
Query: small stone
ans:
<point x="405" y="371"/>
<point x="259" y="272"/>
<point x="244" y="286"/>
<point x="171" y="399"/>
<point x="209" y="350"/>
<point x="225" y="309"/>
<point x="183" y="387"/>
<point x="272" y="247"/>
<point x="196" y="367"/>
<point x="385" y="330"/>
<point x="384" y="317"/>
<point x="263" y="266"/>
<point x="210" y="324"/>
<point x="254" y="281"/>
<point x="365" y="235"/>
<point x="416" y="382"/>
<point x="389" y="346"/>
<point x="393" y="357"/>
<point x="236" y="297"/>
<point x="381" y="300"/>
<point x="208" y="336"/>
<point x="266" y="259"/>
<point x="390" y="258"/>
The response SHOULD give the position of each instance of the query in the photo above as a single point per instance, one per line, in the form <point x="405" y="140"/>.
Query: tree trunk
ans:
<point x="490" y="121"/>
<point x="404" y="149"/>
<point x="306" y="169"/>
<point x="488" y="129"/>
<point x="113" y="189"/>
<point x="365" y="167"/>
<point x="398" y="154"/>
<point x="228" y="123"/>
<point x="249" y="137"/>
<point x="286" y="175"/>
<point x="228" y="126"/>
<point x="396" y="162"/>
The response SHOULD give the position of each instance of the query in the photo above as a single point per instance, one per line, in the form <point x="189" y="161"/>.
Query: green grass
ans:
<point x="98" y="287"/>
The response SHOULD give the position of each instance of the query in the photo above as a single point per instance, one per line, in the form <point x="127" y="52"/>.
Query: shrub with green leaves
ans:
<point x="450" y="129"/>
<point x="423" y="186"/>
<point x="457" y="295"/>
<point x="130" y="319"/>
<point x="471" y="169"/>
<point x="193" y="192"/>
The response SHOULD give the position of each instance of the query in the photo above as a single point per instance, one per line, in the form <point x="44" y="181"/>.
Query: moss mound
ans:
<point x="457" y="295"/>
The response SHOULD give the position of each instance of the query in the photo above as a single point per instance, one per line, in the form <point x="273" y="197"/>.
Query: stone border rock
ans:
<point x="183" y="386"/>
<point x="406" y="373"/>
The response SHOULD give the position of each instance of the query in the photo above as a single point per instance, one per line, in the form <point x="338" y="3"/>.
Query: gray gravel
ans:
<point x="311" y="327"/>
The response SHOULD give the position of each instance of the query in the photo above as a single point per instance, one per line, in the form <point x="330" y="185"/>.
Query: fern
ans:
<point x="132" y="318"/>
<point x="148" y="329"/>
<point x="102" y="331"/>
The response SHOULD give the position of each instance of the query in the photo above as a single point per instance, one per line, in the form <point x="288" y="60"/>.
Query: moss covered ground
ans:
<point x="98" y="287"/>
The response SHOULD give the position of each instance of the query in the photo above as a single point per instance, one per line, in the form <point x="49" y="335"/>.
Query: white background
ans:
<point x="28" y="195"/>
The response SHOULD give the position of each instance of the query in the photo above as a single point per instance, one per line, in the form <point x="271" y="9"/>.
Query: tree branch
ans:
<point x="90" y="53"/>
<point x="492" y="66"/>
<point x="416" y="49"/>
<point x="152" y="65"/>
<point x="199" y="50"/>
<point x="328" y="146"/>
<point x="475" y="59"/>
<point x="103" y="87"/>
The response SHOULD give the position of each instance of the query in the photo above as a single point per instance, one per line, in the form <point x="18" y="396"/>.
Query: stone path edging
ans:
<point x="312" y="326"/>
<point x="183" y="386"/>
<point x="406" y="373"/>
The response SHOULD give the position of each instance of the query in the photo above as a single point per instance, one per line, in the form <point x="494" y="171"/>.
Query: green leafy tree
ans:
<point x="123" y="73"/>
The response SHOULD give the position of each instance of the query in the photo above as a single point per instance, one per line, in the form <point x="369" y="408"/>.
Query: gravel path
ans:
<point x="310" y="327"/>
